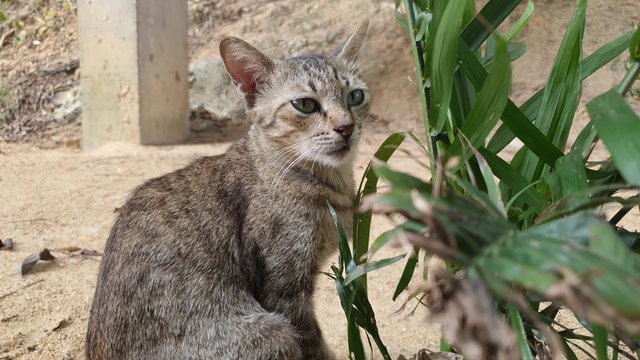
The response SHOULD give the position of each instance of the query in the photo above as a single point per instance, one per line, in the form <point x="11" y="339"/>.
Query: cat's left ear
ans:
<point x="247" y="66"/>
<point x="350" y="49"/>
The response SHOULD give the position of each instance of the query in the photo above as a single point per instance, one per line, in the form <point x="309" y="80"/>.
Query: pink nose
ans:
<point x="345" y="131"/>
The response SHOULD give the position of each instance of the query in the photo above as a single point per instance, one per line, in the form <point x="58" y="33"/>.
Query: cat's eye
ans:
<point x="355" y="98"/>
<point x="305" y="105"/>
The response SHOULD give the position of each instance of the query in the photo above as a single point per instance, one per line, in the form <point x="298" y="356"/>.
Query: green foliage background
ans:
<point x="528" y="229"/>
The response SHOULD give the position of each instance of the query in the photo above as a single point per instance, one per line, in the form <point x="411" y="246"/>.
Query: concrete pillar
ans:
<point x="134" y="71"/>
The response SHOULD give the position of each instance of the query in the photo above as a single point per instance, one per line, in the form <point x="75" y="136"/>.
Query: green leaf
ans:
<point x="634" y="47"/>
<point x="444" y="62"/>
<point x="572" y="178"/>
<point x="399" y="180"/>
<point x="561" y="95"/>
<point x="530" y="108"/>
<point x="492" y="187"/>
<point x="383" y="239"/>
<point x="407" y="273"/>
<point x="422" y="24"/>
<point x="3" y="17"/>
<point x="481" y="198"/>
<point x="516" y="272"/>
<point x="511" y="178"/>
<point x="618" y="127"/>
<point x="398" y="200"/>
<point x="522" y="22"/>
<point x="518" y="328"/>
<point x="370" y="266"/>
<point x="605" y="242"/>
<point x="487" y="20"/>
<point x="600" y="335"/>
<point x="368" y="186"/>
<point x="489" y="105"/>
<point x="512" y="117"/>
<point x="515" y="50"/>
<point x="574" y="228"/>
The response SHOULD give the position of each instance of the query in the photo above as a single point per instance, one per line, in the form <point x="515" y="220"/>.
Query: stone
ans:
<point x="215" y="103"/>
<point x="67" y="105"/>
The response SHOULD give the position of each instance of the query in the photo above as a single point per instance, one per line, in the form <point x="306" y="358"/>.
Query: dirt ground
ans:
<point x="60" y="197"/>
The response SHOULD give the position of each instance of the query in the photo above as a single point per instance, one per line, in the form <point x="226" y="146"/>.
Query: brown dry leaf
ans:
<point x="427" y="355"/>
<point x="468" y="317"/>
<point x="31" y="260"/>
<point x="70" y="249"/>
<point x="61" y="325"/>
<point x="87" y="252"/>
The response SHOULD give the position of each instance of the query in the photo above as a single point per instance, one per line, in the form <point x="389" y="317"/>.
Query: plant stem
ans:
<point x="518" y="327"/>
<point x="631" y="76"/>
<point x="418" y="54"/>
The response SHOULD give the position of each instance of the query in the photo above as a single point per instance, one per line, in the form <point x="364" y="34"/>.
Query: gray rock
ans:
<point x="67" y="105"/>
<point x="213" y="91"/>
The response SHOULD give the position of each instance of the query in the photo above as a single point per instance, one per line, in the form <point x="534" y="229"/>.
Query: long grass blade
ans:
<point x="444" y="63"/>
<point x="512" y="117"/>
<point x="518" y="327"/>
<point x="572" y="178"/>
<point x="560" y="97"/>
<point x="489" y="105"/>
<point x="618" y="126"/>
<point x="600" y="335"/>
<point x="511" y="178"/>
<point x="368" y="186"/>
<point x="368" y="267"/>
<point x="522" y="22"/>
<point x="530" y="108"/>
<point x="486" y="21"/>
<point x="407" y="273"/>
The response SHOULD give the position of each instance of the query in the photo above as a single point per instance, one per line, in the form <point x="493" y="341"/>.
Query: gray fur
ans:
<point x="218" y="260"/>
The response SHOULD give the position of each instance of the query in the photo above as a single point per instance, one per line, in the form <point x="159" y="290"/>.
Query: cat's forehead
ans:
<point x="318" y="67"/>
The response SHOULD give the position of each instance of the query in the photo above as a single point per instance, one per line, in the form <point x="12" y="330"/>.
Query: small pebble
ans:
<point x="6" y="244"/>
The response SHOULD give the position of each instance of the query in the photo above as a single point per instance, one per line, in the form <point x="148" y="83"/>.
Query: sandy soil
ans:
<point x="64" y="197"/>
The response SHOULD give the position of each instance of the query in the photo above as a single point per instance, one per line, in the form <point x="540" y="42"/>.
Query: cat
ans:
<point x="218" y="260"/>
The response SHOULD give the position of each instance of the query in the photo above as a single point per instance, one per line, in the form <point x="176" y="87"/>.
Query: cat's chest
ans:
<point x="296" y="225"/>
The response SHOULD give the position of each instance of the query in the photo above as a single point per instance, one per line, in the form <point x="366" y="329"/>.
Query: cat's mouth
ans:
<point x="340" y="151"/>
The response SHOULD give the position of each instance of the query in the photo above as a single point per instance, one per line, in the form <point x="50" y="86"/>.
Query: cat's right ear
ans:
<point x="246" y="65"/>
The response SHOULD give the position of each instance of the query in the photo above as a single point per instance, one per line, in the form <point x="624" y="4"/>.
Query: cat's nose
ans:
<point x="345" y="131"/>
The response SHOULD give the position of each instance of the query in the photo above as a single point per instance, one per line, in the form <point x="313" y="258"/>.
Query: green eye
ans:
<point x="305" y="105"/>
<point x="355" y="98"/>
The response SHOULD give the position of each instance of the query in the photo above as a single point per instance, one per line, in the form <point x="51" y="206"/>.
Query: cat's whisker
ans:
<point x="291" y="148"/>
<point x="365" y="64"/>
<point x="298" y="145"/>
<point x="291" y="155"/>
<point x="293" y="163"/>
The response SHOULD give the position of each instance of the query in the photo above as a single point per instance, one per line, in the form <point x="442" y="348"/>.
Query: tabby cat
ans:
<point x="218" y="260"/>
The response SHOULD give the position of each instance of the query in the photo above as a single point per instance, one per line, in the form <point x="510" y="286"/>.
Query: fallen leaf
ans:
<point x="70" y="249"/>
<point x="31" y="260"/>
<point x="427" y="355"/>
<point x="87" y="252"/>
<point x="62" y="324"/>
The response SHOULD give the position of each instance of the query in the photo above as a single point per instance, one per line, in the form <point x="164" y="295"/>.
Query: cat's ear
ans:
<point x="349" y="49"/>
<point x="246" y="65"/>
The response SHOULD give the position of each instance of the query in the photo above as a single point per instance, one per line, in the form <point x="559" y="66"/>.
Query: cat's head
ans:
<point x="307" y="108"/>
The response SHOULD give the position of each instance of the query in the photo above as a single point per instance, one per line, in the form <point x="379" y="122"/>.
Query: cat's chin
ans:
<point x="338" y="157"/>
